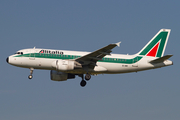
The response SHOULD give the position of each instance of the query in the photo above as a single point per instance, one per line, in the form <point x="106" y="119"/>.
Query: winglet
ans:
<point x="118" y="44"/>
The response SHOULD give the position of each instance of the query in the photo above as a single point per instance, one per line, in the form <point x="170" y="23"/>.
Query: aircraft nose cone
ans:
<point x="7" y="59"/>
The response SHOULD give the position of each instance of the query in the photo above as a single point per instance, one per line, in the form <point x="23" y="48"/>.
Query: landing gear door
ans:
<point x="32" y="54"/>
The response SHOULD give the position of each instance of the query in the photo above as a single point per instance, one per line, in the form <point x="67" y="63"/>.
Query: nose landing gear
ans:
<point x="31" y="72"/>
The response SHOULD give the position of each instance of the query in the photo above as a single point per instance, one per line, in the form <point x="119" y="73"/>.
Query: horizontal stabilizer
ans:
<point x="161" y="59"/>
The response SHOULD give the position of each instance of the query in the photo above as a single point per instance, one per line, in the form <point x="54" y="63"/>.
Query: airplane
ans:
<point x="64" y="64"/>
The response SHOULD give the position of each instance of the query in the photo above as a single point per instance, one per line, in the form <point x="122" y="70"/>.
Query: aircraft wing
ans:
<point x="93" y="57"/>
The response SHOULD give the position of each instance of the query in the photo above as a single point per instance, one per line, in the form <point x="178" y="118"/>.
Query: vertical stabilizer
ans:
<point x="157" y="45"/>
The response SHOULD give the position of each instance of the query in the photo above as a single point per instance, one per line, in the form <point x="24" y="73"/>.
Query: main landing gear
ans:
<point x="31" y="72"/>
<point x="83" y="82"/>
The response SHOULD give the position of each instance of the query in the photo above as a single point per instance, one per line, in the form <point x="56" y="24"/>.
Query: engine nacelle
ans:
<point x="64" y="65"/>
<point x="61" y="76"/>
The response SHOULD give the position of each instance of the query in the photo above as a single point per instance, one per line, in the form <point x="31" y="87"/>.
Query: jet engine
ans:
<point x="64" y="65"/>
<point x="61" y="76"/>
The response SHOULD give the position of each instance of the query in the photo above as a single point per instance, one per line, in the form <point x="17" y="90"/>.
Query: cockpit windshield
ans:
<point x="19" y="53"/>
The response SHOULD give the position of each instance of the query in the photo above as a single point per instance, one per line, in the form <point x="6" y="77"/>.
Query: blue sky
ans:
<point x="87" y="26"/>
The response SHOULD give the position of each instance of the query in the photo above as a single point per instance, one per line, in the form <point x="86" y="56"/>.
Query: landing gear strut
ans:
<point x="83" y="82"/>
<point x="31" y="72"/>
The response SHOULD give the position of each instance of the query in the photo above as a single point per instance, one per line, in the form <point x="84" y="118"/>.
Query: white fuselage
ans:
<point x="111" y="64"/>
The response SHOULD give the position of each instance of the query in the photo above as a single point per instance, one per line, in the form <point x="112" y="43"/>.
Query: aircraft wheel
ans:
<point x="30" y="76"/>
<point x="83" y="83"/>
<point x="87" y="77"/>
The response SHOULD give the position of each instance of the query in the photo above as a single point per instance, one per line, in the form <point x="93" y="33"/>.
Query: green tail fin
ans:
<point x="157" y="45"/>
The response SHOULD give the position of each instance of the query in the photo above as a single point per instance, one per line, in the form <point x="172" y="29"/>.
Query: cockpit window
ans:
<point x="19" y="53"/>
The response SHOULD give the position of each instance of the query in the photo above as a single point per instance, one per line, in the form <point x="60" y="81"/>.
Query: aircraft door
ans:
<point x="32" y="54"/>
